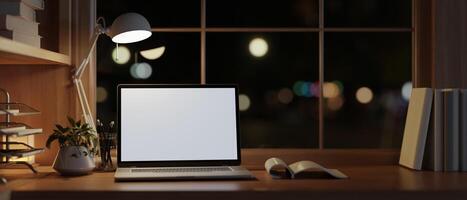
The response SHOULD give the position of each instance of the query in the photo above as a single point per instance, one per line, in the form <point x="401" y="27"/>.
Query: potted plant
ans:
<point x="77" y="148"/>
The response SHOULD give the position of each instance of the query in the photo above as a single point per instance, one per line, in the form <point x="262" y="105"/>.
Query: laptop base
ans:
<point x="181" y="173"/>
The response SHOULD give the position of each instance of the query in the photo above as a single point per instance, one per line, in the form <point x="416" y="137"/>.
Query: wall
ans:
<point x="450" y="44"/>
<point x="40" y="87"/>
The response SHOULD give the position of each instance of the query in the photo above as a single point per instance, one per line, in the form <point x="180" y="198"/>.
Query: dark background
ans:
<point x="380" y="61"/>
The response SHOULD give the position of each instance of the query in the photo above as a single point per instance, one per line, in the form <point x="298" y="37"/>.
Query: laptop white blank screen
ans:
<point x="178" y="124"/>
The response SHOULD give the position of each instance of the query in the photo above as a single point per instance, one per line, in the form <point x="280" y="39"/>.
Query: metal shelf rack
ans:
<point x="9" y="130"/>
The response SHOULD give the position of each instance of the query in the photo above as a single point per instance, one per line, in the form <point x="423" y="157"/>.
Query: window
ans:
<point x="130" y="67"/>
<point x="262" y="13"/>
<point x="370" y="69"/>
<point x="282" y="54"/>
<point x="271" y="114"/>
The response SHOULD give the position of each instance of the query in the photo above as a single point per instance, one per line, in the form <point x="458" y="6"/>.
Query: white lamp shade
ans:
<point x="129" y="28"/>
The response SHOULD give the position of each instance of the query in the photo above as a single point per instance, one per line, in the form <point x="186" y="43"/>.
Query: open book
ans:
<point x="277" y="168"/>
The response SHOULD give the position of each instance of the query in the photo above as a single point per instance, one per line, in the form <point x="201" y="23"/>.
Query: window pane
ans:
<point x="370" y="69"/>
<point x="367" y="13"/>
<point x="285" y="65"/>
<point x="173" y="13"/>
<point x="262" y="13"/>
<point x="178" y="63"/>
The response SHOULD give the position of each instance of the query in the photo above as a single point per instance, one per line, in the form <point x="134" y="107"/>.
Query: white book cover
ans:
<point x="416" y="127"/>
<point x="20" y="37"/>
<point x="18" y="9"/>
<point x="19" y="24"/>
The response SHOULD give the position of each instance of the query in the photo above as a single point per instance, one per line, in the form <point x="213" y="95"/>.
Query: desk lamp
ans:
<point x="127" y="28"/>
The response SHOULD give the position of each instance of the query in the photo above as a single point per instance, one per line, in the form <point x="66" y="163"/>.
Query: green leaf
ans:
<point x="51" y="138"/>
<point x="61" y="128"/>
<point x="71" y="121"/>
<point x="77" y="134"/>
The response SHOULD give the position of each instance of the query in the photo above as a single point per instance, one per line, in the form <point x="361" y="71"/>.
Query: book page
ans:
<point x="277" y="168"/>
<point x="302" y="166"/>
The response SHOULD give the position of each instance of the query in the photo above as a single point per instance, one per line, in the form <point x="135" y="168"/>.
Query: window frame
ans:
<point x="321" y="30"/>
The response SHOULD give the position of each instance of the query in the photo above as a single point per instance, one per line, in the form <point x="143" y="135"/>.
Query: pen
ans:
<point x="100" y="132"/>
<point x="109" y="140"/>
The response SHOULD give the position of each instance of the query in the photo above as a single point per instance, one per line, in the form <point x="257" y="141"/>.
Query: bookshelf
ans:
<point x="12" y="52"/>
<point x="41" y="77"/>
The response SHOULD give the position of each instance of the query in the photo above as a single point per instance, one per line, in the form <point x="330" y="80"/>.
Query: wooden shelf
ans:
<point x="12" y="52"/>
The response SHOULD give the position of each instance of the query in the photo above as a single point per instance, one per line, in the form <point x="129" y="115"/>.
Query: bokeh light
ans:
<point x="285" y="95"/>
<point x="297" y="88"/>
<point x="330" y="90"/>
<point x="340" y="86"/>
<point x="101" y="94"/>
<point x="406" y="90"/>
<point x="306" y="89"/>
<point x="123" y="55"/>
<point x="258" y="47"/>
<point x="244" y="102"/>
<point x="391" y="102"/>
<point x="335" y="104"/>
<point x="153" y="54"/>
<point x="314" y="89"/>
<point x="364" y="95"/>
<point x="141" y="70"/>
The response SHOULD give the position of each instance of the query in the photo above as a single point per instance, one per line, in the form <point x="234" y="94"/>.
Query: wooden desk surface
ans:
<point x="366" y="182"/>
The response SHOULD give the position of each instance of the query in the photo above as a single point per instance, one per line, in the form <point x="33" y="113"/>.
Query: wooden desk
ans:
<point x="368" y="181"/>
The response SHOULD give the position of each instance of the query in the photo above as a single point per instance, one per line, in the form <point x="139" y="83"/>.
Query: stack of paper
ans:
<point x="19" y="130"/>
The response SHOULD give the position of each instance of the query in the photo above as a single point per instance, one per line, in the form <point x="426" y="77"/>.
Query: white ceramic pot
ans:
<point x="74" y="161"/>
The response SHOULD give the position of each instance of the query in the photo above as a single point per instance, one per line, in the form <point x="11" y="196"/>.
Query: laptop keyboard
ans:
<point x="181" y="169"/>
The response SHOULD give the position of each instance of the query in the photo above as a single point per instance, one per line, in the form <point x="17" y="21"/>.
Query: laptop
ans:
<point x="178" y="132"/>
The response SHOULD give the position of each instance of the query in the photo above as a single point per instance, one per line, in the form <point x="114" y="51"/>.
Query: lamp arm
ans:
<point x="77" y="78"/>
<point x="79" y="71"/>
<point x="83" y="100"/>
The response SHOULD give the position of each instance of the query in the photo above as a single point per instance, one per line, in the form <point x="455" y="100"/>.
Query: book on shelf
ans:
<point x="416" y="127"/>
<point x="18" y="24"/>
<point x="446" y="144"/>
<point x="23" y="38"/>
<point x="463" y="130"/>
<point x="34" y="4"/>
<point x="18" y="9"/>
<point x="451" y="129"/>
<point x="278" y="169"/>
<point x="434" y="148"/>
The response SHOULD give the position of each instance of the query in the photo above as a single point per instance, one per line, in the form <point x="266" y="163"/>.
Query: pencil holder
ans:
<point x="107" y="142"/>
